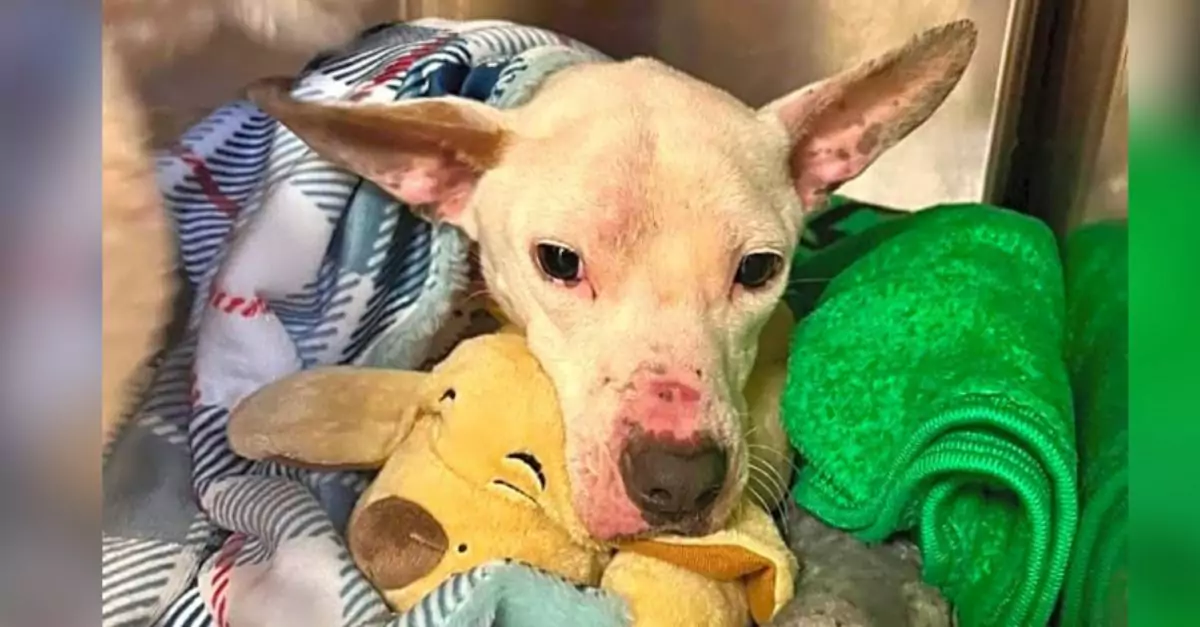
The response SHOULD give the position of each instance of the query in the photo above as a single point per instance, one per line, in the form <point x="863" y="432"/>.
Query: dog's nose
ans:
<point x="672" y="481"/>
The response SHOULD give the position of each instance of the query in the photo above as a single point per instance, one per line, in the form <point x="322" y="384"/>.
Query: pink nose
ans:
<point x="672" y="391"/>
<point x="665" y="406"/>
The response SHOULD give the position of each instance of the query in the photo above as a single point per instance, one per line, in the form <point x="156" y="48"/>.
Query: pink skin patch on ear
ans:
<point x="436" y="181"/>
<point x="826" y="163"/>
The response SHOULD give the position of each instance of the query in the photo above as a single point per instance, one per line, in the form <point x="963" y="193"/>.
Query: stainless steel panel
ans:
<point x="764" y="49"/>
<point x="759" y="49"/>
<point x="1104" y="191"/>
<point x="1077" y="167"/>
<point x="756" y="49"/>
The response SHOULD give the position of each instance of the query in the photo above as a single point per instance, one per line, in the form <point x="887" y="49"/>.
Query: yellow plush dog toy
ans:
<point x="473" y="469"/>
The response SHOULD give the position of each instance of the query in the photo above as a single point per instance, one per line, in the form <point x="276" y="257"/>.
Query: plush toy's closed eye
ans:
<point x="532" y="481"/>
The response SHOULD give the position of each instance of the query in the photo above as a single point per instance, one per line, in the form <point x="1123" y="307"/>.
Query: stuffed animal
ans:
<point x="473" y="469"/>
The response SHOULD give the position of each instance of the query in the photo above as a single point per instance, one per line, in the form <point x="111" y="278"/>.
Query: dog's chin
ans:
<point x="608" y="516"/>
<point x="605" y="527"/>
<point x="691" y="527"/>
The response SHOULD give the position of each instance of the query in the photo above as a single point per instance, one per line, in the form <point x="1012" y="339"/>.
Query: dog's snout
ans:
<point x="667" y="404"/>
<point x="673" y="482"/>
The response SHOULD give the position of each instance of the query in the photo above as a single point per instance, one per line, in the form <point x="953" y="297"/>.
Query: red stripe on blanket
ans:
<point x="399" y="66"/>
<point x="206" y="180"/>
<point x="221" y="576"/>
<point x="240" y="305"/>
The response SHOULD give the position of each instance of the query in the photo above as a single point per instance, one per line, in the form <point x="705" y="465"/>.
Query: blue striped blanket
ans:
<point x="297" y="263"/>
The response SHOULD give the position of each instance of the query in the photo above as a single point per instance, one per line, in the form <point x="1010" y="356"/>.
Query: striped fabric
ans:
<point x="299" y="263"/>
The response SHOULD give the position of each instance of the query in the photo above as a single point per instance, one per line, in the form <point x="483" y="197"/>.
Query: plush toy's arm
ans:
<point x="743" y="572"/>
<point x="660" y="594"/>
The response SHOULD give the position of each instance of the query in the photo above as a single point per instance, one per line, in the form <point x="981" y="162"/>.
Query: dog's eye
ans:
<point x="757" y="269"/>
<point x="559" y="263"/>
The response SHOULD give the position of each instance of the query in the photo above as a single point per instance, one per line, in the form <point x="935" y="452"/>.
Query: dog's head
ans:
<point x="639" y="225"/>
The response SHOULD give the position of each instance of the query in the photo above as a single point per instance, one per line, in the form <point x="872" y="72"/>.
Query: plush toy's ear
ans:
<point x="428" y="153"/>
<point x="335" y="417"/>
<point x="841" y="125"/>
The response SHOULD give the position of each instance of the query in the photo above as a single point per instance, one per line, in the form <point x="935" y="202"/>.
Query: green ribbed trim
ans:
<point x="1099" y="549"/>
<point x="982" y="436"/>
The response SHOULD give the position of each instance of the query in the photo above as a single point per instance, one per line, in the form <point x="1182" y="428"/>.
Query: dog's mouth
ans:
<point x="651" y="525"/>
<point x="691" y="525"/>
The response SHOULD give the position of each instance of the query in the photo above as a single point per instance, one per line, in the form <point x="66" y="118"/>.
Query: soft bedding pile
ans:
<point x="300" y="263"/>
<point x="927" y="395"/>
<point x="936" y="339"/>
<point x="1096" y="259"/>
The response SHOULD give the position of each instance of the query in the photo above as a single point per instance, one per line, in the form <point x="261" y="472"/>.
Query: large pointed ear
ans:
<point x="334" y="417"/>
<point x="428" y="153"/>
<point x="840" y="125"/>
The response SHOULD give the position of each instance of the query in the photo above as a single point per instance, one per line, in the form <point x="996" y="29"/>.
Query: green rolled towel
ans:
<point x="927" y="394"/>
<point x="1096" y="262"/>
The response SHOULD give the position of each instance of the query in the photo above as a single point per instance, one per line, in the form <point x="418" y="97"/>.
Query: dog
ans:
<point x="138" y="270"/>
<point x="638" y="225"/>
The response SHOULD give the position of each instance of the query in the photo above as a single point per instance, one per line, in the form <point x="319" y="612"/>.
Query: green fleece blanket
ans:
<point x="1096" y="262"/>
<point x="927" y="394"/>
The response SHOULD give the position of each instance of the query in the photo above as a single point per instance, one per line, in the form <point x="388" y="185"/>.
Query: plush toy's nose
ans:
<point x="673" y="482"/>
<point x="396" y="542"/>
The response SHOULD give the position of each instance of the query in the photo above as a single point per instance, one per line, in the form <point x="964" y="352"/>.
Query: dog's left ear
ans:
<point x="428" y="153"/>
<point x="840" y="125"/>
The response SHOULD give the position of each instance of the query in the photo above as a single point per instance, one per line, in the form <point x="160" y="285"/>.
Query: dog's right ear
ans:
<point x="842" y="124"/>
<point x="428" y="153"/>
<point x="334" y="417"/>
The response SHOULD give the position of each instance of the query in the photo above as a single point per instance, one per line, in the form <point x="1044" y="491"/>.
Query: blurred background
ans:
<point x="1037" y="123"/>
